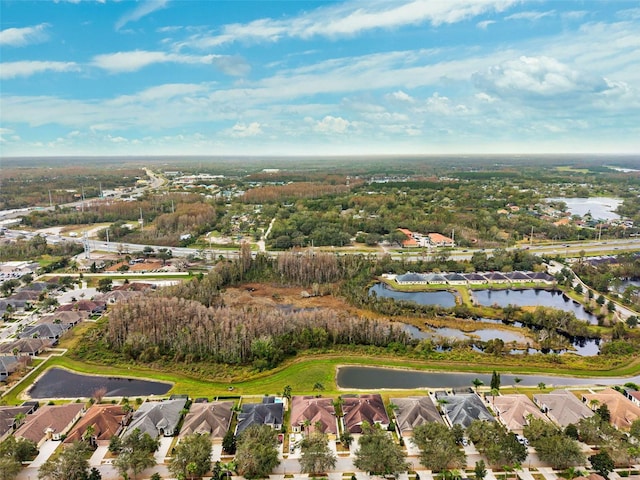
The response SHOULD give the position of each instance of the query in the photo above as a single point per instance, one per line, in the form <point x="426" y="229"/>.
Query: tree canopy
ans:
<point x="378" y="453"/>
<point x="257" y="452"/>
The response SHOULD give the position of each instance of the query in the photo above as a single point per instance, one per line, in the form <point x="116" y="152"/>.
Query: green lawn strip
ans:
<point x="302" y="374"/>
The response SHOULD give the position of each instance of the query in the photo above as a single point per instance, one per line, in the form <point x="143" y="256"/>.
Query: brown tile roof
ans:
<point x="211" y="419"/>
<point x="514" y="409"/>
<point x="414" y="411"/>
<point x="106" y="420"/>
<point x="30" y="346"/>
<point x="562" y="406"/>
<point x="623" y="411"/>
<point x="50" y="418"/>
<point x="318" y="411"/>
<point x="8" y="416"/>
<point x="364" y="408"/>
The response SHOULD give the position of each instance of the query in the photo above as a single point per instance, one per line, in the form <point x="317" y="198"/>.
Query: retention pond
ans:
<point x="370" y="378"/>
<point x="60" y="383"/>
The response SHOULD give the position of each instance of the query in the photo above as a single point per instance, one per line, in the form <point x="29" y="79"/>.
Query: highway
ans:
<point x="573" y="249"/>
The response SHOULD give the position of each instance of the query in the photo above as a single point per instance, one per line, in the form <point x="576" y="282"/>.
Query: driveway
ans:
<point x="165" y="445"/>
<point x="98" y="456"/>
<point x="46" y="450"/>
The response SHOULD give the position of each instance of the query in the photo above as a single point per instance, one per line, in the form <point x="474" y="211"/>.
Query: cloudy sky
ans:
<point x="318" y="77"/>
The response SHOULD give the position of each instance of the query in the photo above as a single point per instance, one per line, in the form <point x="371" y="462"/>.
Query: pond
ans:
<point x="375" y="378"/>
<point x="532" y="297"/>
<point x="581" y="346"/>
<point x="601" y="208"/>
<point x="60" y="383"/>
<point x="440" y="297"/>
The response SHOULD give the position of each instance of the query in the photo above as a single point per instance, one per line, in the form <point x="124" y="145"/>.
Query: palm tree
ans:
<point x="228" y="468"/>
<point x="494" y="392"/>
<point x="441" y="403"/>
<point x="572" y="472"/>
<point x="318" y="386"/>
<point x="305" y="426"/>
<point x="517" y="380"/>
<point x="477" y="383"/>
<point x="542" y="385"/>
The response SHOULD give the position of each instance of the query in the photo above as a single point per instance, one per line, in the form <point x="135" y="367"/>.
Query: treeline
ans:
<point x="35" y="247"/>
<point x="28" y="187"/>
<point x="279" y="193"/>
<point x="146" y="330"/>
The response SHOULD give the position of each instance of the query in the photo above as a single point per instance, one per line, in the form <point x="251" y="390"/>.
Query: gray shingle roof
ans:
<point x="158" y="418"/>
<point x="462" y="409"/>
<point x="265" y="413"/>
<point x="414" y="411"/>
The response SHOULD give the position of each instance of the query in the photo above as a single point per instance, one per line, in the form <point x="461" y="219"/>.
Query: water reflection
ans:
<point x="376" y="378"/>
<point x="60" y="383"/>
<point x="533" y="297"/>
<point x="440" y="297"/>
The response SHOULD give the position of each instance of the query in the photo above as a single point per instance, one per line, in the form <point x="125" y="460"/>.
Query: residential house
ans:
<point x="411" y="412"/>
<point x="632" y="395"/>
<point x="464" y="408"/>
<point x="411" y="278"/>
<point x="542" y="277"/>
<point x="94" y="308"/>
<point x="409" y="241"/>
<point x="158" y="418"/>
<point x="363" y="408"/>
<point x="439" y="240"/>
<point x="496" y="277"/>
<point x="46" y="331"/>
<point x="435" y="279"/>
<point x="25" y="346"/>
<point x="623" y="411"/>
<point x="514" y="410"/>
<point x="269" y="412"/>
<point x="8" y="365"/>
<point x="475" y="278"/>
<point x="455" y="279"/>
<point x="106" y="421"/>
<point x="517" y="277"/>
<point x="64" y="318"/>
<point x="212" y="419"/>
<point x="10" y="418"/>
<point x="562" y="407"/>
<point x="14" y="304"/>
<point x="309" y="413"/>
<point x="50" y="422"/>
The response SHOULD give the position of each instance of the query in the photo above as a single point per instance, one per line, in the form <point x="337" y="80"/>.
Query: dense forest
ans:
<point x="147" y="329"/>
<point x="36" y="186"/>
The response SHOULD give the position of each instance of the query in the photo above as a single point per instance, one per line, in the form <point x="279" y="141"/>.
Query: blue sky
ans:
<point x="304" y="77"/>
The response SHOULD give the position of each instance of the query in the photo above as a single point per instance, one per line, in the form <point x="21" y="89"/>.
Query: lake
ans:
<point x="583" y="347"/>
<point x="601" y="208"/>
<point x="60" y="383"/>
<point x="440" y="297"/>
<point x="371" y="378"/>
<point x="533" y="297"/>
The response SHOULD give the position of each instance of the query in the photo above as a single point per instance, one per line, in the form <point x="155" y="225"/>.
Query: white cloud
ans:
<point x="531" y="16"/>
<point x="484" y="24"/>
<point x="401" y="96"/>
<point x="241" y="130"/>
<point x="26" y="68"/>
<point x="132" y="61"/>
<point x="19" y="37"/>
<point x="443" y="106"/>
<point x="331" y="124"/>
<point x="484" y="97"/>
<point x="349" y="19"/>
<point x="145" y="8"/>
<point x="538" y="76"/>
